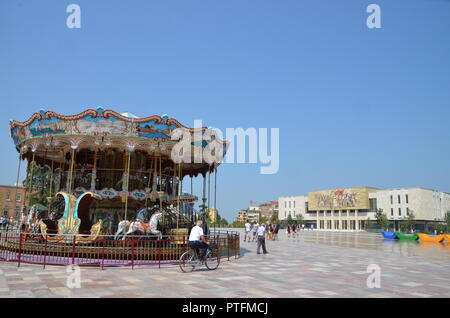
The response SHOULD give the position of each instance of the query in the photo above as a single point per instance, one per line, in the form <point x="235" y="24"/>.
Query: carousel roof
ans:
<point x="99" y="129"/>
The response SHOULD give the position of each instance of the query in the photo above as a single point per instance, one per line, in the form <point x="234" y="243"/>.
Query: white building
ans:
<point x="350" y="209"/>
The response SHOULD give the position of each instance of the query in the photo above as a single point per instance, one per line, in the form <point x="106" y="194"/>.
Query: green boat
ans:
<point x="410" y="237"/>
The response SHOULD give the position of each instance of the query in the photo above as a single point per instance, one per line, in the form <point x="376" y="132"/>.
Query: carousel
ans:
<point x="104" y="174"/>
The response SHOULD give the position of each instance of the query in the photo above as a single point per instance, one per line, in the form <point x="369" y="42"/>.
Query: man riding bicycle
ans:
<point x="197" y="239"/>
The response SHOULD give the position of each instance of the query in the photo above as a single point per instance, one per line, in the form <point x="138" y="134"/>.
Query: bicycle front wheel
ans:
<point x="212" y="259"/>
<point x="187" y="261"/>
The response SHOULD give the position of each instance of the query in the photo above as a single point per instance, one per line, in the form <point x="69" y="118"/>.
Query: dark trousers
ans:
<point x="261" y="242"/>
<point x="198" y="245"/>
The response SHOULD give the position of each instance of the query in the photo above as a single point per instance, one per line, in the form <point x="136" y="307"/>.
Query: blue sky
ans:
<point x="355" y="106"/>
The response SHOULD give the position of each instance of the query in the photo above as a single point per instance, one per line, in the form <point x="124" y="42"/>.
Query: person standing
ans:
<point x="247" y="231"/>
<point x="294" y="230"/>
<point x="261" y="233"/>
<point x="255" y="229"/>
<point x="275" y="231"/>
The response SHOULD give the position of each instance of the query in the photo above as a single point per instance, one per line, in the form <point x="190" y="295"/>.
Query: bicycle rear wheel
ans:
<point x="212" y="259"/>
<point x="187" y="261"/>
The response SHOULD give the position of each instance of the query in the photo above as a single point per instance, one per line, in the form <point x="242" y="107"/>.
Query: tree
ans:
<point x="299" y="218"/>
<point x="274" y="219"/>
<point x="238" y="224"/>
<point x="409" y="223"/>
<point x="262" y="219"/>
<point x="382" y="219"/>
<point x="447" y="220"/>
<point x="289" y="219"/>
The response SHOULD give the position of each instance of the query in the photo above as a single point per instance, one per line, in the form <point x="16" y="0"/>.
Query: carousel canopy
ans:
<point x="50" y="136"/>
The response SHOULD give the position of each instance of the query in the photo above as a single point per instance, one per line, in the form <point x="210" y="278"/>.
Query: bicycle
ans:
<point x="190" y="259"/>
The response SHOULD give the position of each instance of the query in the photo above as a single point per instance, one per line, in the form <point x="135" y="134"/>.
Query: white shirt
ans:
<point x="196" y="232"/>
<point x="247" y="227"/>
<point x="261" y="231"/>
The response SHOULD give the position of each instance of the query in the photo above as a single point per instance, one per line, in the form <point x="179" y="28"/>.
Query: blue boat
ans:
<point x="389" y="235"/>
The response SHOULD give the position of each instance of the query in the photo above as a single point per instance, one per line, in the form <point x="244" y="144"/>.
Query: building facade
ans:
<point x="253" y="214"/>
<point x="12" y="200"/>
<point x="352" y="209"/>
<point x="269" y="209"/>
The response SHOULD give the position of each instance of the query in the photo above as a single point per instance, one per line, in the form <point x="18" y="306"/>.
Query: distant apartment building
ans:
<point x="269" y="209"/>
<point x="242" y="216"/>
<point x="350" y="209"/>
<point x="12" y="200"/>
<point x="253" y="213"/>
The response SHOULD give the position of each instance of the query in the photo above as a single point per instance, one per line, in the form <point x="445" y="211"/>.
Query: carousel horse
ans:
<point x="143" y="214"/>
<point x="37" y="213"/>
<point x="56" y="212"/>
<point x="122" y="228"/>
<point x="150" y="228"/>
<point x="4" y="222"/>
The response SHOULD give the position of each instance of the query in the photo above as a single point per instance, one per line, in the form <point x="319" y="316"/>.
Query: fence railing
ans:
<point x="105" y="250"/>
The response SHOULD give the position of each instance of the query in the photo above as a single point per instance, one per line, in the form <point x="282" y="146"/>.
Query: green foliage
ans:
<point x="289" y="219"/>
<point x="39" y="180"/>
<point x="447" y="220"/>
<point x="299" y="218"/>
<point x="441" y="228"/>
<point x="274" y="219"/>
<point x="382" y="220"/>
<point x="410" y="222"/>
<point x="238" y="224"/>
<point x="262" y="219"/>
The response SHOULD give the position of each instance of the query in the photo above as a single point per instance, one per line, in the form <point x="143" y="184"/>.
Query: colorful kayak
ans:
<point x="389" y="235"/>
<point x="427" y="238"/>
<point x="447" y="238"/>
<point x="409" y="237"/>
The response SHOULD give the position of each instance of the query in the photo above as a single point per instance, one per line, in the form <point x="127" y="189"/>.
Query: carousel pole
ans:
<point x="127" y="185"/>
<point x="94" y="171"/>
<point x="149" y="183"/>
<point x="72" y="161"/>
<point x="61" y="171"/>
<point x="216" y="214"/>
<point x="179" y="191"/>
<point x="17" y="177"/>
<point x="209" y="192"/>
<point x="31" y="178"/>
<point x="160" y="182"/>
<point x="192" y="193"/>
<point x="51" y="185"/>
<point x="204" y="197"/>
<point x="175" y="184"/>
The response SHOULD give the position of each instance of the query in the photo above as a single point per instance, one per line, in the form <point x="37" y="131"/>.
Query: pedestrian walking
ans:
<point x="275" y="231"/>
<point x="247" y="231"/>
<point x="261" y="239"/>
<point x="255" y="228"/>
<point x="288" y="231"/>
<point x="294" y="231"/>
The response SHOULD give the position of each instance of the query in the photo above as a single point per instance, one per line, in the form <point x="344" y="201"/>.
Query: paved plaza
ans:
<point x="317" y="264"/>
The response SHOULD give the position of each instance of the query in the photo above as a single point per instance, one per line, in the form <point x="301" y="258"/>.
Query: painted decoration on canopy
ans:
<point x="94" y="123"/>
<point x="341" y="199"/>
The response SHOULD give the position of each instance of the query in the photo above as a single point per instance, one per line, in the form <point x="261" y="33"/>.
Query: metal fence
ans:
<point x="105" y="251"/>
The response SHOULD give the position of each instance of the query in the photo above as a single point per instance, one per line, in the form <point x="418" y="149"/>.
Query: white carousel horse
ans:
<point x="122" y="228"/>
<point x="145" y="228"/>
